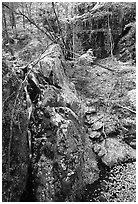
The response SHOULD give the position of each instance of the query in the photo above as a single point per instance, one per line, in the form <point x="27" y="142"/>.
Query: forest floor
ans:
<point x="113" y="96"/>
<point x="112" y="93"/>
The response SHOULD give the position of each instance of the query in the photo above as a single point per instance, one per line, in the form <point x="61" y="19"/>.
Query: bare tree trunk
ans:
<point x="6" y="32"/>
<point x="12" y="16"/>
<point x="30" y="12"/>
<point x="58" y="23"/>
<point x="12" y="6"/>
<point x="36" y="16"/>
<point x="73" y="37"/>
<point x="23" y="16"/>
<point x="73" y="40"/>
<point x="110" y="36"/>
<point x="5" y="24"/>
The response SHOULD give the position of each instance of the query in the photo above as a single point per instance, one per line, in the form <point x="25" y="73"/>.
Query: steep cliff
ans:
<point x="103" y="27"/>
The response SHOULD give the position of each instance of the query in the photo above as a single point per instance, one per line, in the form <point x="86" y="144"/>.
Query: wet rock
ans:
<point x="97" y="125"/>
<point x="114" y="151"/>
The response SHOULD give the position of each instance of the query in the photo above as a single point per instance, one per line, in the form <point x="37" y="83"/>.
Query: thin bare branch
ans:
<point x="11" y="124"/>
<point x="48" y="34"/>
<point x="126" y="108"/>
<point x="32" y="22"/>
<point x="7" y="99"/>
<point x="53" y="6"/>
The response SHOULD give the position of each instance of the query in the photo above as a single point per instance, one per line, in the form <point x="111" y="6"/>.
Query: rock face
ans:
<point x="92" y="29"/>
<point x="58" y="159"/>
<point x="61" y="163"/>
<point x="112" y="151"/>
<point x="126" y="45"/>
<point x="64" y="158"/>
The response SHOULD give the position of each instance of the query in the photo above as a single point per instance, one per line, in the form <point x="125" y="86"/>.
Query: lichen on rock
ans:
<point x="59" y="140"/>
<point x="113" y="151"/>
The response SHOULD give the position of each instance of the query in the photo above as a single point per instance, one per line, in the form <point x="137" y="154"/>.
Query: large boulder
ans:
<point x="112" y="151"/>
<point x="62" y="163"/>
<point x="58" y="156"/>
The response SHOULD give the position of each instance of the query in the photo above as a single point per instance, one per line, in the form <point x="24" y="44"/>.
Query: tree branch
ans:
<point x="127" y="108"/>
<point x="32" y="22"/>
<point x="53" y="6"/>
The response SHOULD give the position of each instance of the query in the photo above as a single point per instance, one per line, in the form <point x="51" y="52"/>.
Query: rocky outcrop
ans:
<point x="112" y="151"/>
<point x="109" y="149"/>
<point x="60" y="143"/>
<point x="105" y="26"/>
<point x="61" y="162"/>
<point x="126" y="45"/>
<point x="58" y="156"/>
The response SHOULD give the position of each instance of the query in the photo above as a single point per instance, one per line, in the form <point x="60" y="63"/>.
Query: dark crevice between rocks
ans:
<point x="124" y="32"/>
<point x="113" y="134"/>
<point x="93" y="191"/>
<point x="28" y="194"/>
